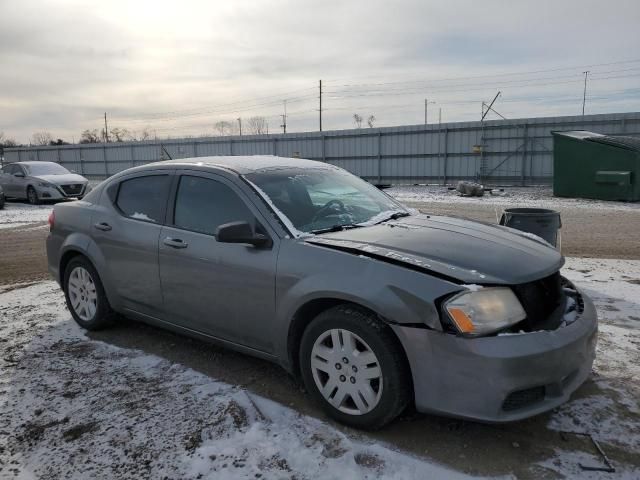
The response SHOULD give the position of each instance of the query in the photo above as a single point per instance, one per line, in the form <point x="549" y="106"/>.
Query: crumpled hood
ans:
<point x="460" y="249"/>
<point x="62" y="179"/>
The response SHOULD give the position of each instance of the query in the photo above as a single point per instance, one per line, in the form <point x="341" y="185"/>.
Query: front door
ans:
<point x="126" y="227"/>
<point x="19" y="184"/>
<point x="222" y="289"/>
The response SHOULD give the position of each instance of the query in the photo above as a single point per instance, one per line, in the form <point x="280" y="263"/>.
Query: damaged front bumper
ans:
<point x="500" y="378"/>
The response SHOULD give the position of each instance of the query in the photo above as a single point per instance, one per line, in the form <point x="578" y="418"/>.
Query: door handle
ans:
<point x="105" y="227"/>
<point x="175" y="242"/>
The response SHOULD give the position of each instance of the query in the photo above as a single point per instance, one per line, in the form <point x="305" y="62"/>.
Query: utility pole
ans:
<point x="320" y="110"/>
<point x="106" y="130"/>
<point x="584" y="93"/>
<point x="426" y="106"/>
<point x="439" y="115"/>
<point x="284" y="118"/>
<point x="240" y="124"/>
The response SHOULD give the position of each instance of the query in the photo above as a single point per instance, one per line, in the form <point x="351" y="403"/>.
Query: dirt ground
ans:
<point x="22" y="254"/>
<point x="584" y="233"/>
<point x="593" y="233"/>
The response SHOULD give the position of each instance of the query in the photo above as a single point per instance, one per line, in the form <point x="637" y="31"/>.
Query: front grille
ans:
<point x="523" y="398"/>
<point x="541" y="301"/>
<point x="72" y="188"/>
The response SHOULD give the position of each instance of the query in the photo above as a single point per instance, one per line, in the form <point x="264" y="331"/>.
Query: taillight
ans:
<point x="52" y="220"/>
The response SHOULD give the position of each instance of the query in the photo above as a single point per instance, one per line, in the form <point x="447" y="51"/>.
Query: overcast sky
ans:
<point x="177" y="67"/>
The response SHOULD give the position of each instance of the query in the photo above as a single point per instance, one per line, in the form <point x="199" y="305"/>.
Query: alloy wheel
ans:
<point x="32" y="196"/>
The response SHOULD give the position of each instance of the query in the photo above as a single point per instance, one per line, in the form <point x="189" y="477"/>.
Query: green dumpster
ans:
<point x="591" y="165"/>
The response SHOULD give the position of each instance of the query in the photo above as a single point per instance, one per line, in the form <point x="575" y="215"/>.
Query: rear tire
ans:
<point x="85" y="295"/>
<point x="32" y="196"/>
<point x="353" y="365"/>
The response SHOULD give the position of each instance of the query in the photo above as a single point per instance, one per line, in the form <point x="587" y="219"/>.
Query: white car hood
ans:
<point x="62" y="179"/>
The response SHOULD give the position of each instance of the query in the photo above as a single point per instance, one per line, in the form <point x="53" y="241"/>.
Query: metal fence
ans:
<point x="515" y="152"/>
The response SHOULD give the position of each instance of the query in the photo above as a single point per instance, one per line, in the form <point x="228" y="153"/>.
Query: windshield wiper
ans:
<point x="394" y="216"/>
<point x="335" y="228"/>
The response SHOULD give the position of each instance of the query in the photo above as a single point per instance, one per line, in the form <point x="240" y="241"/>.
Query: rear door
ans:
<point x="126" y="227"/>
<point x="222" y="289"/>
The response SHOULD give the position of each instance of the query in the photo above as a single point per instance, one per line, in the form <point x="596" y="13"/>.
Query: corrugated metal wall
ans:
<point x="499" y="152"/>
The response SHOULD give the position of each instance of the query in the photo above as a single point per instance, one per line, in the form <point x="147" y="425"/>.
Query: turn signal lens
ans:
<point x="461" y="319"/>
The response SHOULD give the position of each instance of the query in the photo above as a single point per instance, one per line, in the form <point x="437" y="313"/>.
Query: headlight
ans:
<point x="45" y="185"/>
<point x="484" y="311"/>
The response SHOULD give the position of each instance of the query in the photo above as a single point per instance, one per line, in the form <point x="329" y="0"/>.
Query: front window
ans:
<point x="320" y="199"/>
<point x="202" y="205"/>
<point x="46" y="168"/>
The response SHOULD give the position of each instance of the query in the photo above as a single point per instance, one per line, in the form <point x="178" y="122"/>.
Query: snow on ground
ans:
<point x="536" y="197"/>
<point x="75" y="408"/>
<point x="613" y="414"/>
<point x="21" y="214"/>
<point x="71" y="407"/>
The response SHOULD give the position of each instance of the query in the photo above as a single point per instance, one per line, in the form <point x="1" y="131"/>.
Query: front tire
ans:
<point x="85" y="295"/>
<point x="32" y="196"/>
<point x="352" y="364"/>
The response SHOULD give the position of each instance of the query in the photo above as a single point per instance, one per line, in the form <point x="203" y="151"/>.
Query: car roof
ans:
<point x="30" y="162"/>
<point x="242" y="164"/>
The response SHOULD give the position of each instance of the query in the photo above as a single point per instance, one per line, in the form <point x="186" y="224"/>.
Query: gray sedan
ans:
<point x="38" y="181"/>
<point x="375" y="307"/>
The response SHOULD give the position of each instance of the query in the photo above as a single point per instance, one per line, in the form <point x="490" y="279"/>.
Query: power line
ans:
<point x="502" y="74"/>
<point x="236" y="102"/>
<point x="469" y="89"/>
<point x="532" y="81"/>
<point x="219" y="112"/>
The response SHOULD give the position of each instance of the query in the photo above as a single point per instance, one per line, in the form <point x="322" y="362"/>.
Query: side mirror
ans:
<point x="241" y="232"/>
<point x="19" y="175"/>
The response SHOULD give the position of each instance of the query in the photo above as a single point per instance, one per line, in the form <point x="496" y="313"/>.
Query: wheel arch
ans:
<point x="308" y="311"/>
<point x="66" y="258"/>
<point x="26" y="190"/>
<point x="81" y="244"/>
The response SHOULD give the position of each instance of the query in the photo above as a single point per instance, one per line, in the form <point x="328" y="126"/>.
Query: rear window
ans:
<point x="144" y="198"/>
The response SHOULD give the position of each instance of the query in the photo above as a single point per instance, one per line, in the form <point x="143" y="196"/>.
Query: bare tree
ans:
<point x="223" y="127"/>
<point x="371" y="120"/>
<point x="90" y="136"/>
<point x="120" y="134"/>
<point x="357" y="119"/>
<point x="7" y="141"/>
<point x="257" y="125"/>
<point x="145" y="134"/>
<point x="41" y="138"/>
